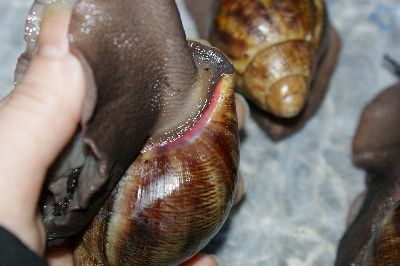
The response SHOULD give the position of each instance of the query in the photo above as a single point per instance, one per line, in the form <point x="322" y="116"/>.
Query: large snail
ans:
<point x="284" y="53"/>
<point x="157" y="100"/>
<point x="373" y="235"/>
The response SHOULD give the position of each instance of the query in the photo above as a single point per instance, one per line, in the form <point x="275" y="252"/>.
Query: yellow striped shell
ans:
<point x="275" y="46"/>
<point x="384" y="247"/>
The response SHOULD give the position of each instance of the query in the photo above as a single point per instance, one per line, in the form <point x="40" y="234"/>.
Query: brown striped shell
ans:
<point x="177" y="193"/>
<point x="275" y="46"/>
<point x="373" y="235"/>
<point x="384" y="248"/>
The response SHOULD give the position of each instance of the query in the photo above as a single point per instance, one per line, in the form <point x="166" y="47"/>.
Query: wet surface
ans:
<point x="298" y="190"/>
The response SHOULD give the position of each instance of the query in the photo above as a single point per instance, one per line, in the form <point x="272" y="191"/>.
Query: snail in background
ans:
<point x="157" y="105"/>
<point x="284" y="53"/>
<point x="373" y="235"/>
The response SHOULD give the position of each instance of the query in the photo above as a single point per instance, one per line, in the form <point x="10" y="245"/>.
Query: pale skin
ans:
<point x="37" y="119"/>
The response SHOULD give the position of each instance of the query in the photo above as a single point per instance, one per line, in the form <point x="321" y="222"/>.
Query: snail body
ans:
<point x="372" y="237"/>
<point x="174" y="197"/>
<point x="155" y="160"/>
<point x="384" y="247"/>
<point x="284" y="53"/>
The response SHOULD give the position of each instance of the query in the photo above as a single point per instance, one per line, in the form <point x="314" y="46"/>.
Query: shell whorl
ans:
<point x="176" y="195"/>
<point x="279" y="77"/>
<point x="384" y="247"/>
<point x="275" y="47"/>
<point x="373" y="236"/>
<point x="135" y="86"/>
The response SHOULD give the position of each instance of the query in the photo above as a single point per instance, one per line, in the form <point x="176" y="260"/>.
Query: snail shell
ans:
<point x="145" y="84"/>
<point x="278" y="49"/>
<point x="176" y="194"/>
<point x="120" y="109"/>
<point x="371" y="238"/>
<point x="274" y="46"/>
<point x="384" y="248"/>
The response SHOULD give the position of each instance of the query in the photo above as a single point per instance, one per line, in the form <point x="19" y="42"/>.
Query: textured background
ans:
<point x="298" y="190"/>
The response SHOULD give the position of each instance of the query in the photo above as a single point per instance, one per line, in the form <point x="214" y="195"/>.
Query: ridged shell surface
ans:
<point x="384" y="248"/>
<point x="175" y="196"/>
<point x="275" y="46"/>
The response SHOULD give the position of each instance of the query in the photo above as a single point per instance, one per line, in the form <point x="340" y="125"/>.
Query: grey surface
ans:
<point x="298" y="190"/>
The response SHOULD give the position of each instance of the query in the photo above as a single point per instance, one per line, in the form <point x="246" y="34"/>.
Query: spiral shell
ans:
<point x="384" y="248"/>
<point x="373" y="235"/>
<point x="177" y="193"/>
<point x="275" y="47"/>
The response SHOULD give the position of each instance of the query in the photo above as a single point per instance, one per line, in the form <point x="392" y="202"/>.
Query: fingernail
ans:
<point x="53" y="39"/>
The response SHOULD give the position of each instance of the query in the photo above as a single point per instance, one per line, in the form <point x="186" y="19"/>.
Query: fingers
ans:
<point x="40" y="115"/>
<point x="53" y="40"/>
<point x="200" y="11"/>
<point x="59" y="256"/>
<point x="242" y="109"/>
<point x="36" y="120"/>
<point x="240" y="191"/>
<point x="201" y="260"/>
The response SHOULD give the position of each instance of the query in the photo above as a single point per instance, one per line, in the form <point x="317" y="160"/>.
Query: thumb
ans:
<point x="38" y="117"/>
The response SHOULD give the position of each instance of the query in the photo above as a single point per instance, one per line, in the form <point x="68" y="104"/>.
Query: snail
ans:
<point x="373" y="237"/>
<point x="175" y="196"/>
<point x="150" y="176"/>
<point x="284" y="53"/>
<point x="383" y="248"/>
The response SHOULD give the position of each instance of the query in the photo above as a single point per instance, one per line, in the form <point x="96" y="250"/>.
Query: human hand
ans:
<point x="36" y="121"/>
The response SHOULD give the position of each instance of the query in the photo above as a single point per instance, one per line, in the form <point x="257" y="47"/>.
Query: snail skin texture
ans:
<point x="374" y="233"/>
<point x="175" y="196"/>
<point x="157" y="105"/>
<point x="284" y="53"/>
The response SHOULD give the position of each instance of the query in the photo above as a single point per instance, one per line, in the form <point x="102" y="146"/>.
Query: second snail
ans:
<point x="373" y="233"/>
<point x="284" y="53"/>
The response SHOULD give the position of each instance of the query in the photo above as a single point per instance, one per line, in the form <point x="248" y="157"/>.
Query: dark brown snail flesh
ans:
<point x="284" y="53"/>
<point x="176" y="195"/>
<point x="373" y="237"/>
<point x="157" y="105"/>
